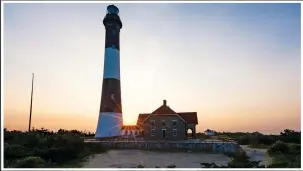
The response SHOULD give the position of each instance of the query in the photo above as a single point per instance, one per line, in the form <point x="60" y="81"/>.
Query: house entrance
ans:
<point x="190" y="133"/>
<point x="163" y="133"/>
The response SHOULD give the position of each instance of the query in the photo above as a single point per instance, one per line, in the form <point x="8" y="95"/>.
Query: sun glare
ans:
<point x="129" y="120"/>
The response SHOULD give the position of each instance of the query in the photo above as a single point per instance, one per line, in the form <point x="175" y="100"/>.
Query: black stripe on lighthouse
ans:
<point x="112" y="36"/>
<point x="111" y="96"/>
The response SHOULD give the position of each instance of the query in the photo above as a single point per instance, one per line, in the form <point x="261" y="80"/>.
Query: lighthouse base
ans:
<point x="109" y="125"/>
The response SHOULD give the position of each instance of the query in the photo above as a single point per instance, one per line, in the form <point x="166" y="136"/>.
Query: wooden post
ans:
<point x="31" y="105"/>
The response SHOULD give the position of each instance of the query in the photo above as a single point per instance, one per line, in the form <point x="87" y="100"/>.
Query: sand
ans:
<point x="150" y="159"/>
<point x="257" y="154"/>
<point x="132" y="158"/>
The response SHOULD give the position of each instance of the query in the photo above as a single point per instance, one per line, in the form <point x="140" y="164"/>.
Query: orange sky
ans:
<point x="246" y="123"/>
<point x="238" y="73"/>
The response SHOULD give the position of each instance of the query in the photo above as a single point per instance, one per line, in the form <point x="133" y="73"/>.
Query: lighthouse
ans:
<point x="110" y="115"/>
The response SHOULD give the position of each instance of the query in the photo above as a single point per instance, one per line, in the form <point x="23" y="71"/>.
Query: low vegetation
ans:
<point x="43" y="148"/>
<point x="47" y="149"/>
<point x="283" y="156"/>
<point x="256" y="139"/>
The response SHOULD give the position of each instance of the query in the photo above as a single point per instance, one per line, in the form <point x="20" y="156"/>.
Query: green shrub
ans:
<point x="58" y="149"/>
<point x="240" y="160"/>
<point x="30" y="162"/>
<point x="16" y="151"/>
<point x="278" y="148"/>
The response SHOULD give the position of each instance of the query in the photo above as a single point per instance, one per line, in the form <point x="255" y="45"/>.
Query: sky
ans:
<point x="236" y="65"/>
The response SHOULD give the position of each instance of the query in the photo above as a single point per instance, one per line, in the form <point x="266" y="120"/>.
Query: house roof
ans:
<point x="142" y="117"/>
<point x="189" y="117"/>
<point x="208" y="130"/>
<point x="164" y="109"/>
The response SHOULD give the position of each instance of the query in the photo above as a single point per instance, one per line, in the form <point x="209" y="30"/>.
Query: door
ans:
<point x="163" y="133"/>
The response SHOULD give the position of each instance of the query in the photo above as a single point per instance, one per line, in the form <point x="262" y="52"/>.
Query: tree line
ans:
<point x="44" y="148"/>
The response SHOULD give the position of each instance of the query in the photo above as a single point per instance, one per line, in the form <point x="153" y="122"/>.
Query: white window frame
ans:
<point x="173" y="122"/>
<point x="175" y="131"/>
<point x="152" y="132"/>
<point x="153" y="121"/>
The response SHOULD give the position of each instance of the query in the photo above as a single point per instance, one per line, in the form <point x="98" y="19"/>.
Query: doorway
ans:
<point x="163" y="133"/>
<point x="190" y="133"/>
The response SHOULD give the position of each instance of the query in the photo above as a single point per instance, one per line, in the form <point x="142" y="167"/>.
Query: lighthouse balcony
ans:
<point x="112" y="18"/>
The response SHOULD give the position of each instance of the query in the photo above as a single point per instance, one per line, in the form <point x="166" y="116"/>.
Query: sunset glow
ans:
<point x="236" y="65"/>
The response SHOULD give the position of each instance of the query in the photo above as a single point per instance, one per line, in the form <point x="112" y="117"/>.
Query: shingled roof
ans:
<point x="189" y="117"/>
<point x="142" y="117"/>
<point x="164" y="109"/>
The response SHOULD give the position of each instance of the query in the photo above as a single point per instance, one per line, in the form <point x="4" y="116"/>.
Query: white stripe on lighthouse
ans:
<point x="109" y="124"/>
<point x="112" y="63"/>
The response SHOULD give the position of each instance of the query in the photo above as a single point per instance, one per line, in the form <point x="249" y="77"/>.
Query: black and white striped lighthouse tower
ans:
<point x="110" y="115"/>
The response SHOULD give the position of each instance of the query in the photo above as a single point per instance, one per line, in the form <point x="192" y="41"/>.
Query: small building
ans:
<point x="166" y="124"/>
<point x="130" y="130"/>
<point x="209" y="132"/>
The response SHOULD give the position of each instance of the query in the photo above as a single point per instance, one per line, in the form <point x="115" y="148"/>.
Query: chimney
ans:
<point x="164" y="102"/>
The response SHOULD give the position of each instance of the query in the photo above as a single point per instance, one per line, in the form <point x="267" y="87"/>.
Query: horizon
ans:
<point x="236" y="65"/>
<point x="90" y="132"/>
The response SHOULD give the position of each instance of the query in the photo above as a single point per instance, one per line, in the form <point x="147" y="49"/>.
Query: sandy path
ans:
<point x="257" y="154"/>
<point x="132" y="158"/>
